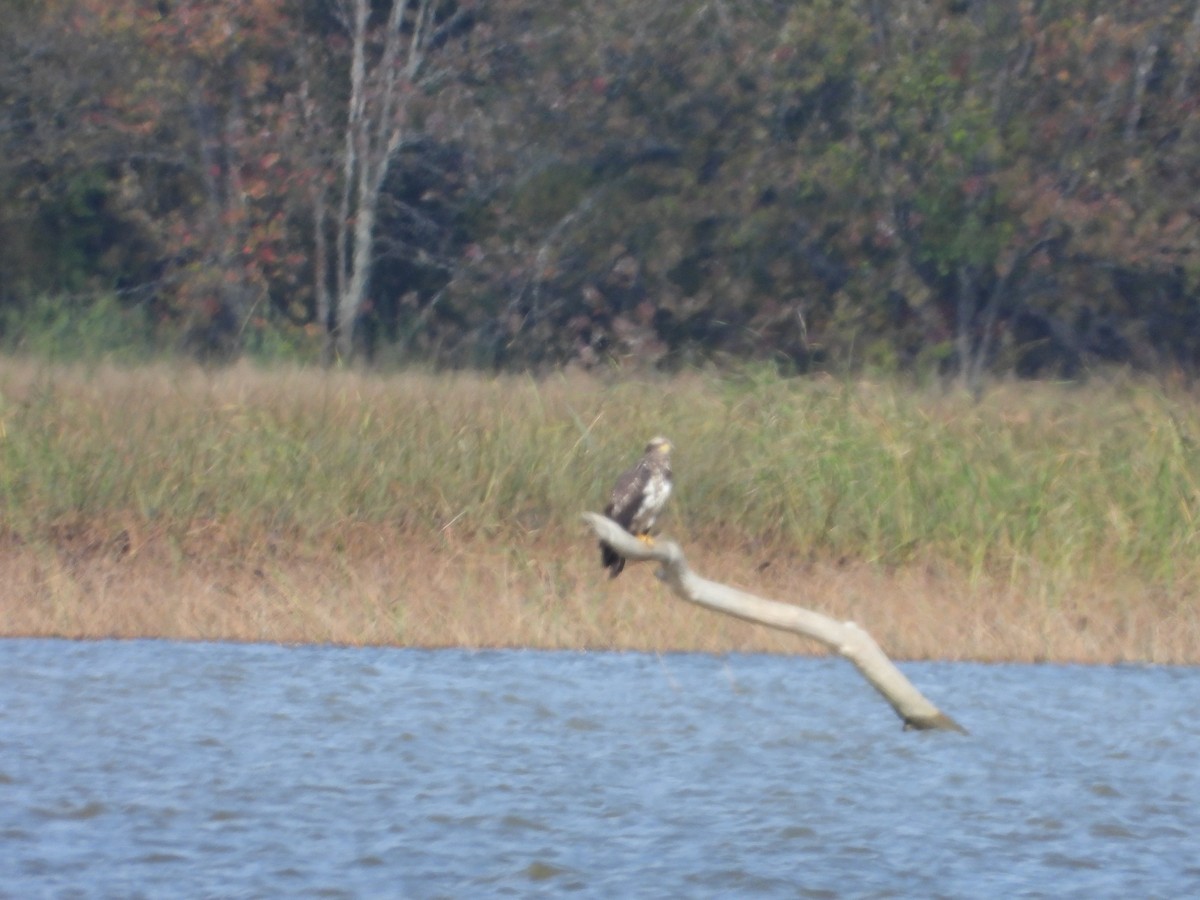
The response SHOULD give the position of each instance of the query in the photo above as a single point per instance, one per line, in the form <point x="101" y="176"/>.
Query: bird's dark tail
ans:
<point x="611" y="560"/>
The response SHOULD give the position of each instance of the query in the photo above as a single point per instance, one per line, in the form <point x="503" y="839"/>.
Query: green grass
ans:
<point x="1035" y="477"/>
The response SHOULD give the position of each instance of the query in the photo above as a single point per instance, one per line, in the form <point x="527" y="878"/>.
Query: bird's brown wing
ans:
<point x="627" y="495"/>
<point x="622" y="506"/>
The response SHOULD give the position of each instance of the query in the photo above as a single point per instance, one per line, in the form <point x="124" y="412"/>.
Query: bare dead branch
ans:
<point x="844" y="638"/>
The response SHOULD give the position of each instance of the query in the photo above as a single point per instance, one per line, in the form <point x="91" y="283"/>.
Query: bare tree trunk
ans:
<point x="1186" y="64"/>
<point x="219" y="184"/>
<point x="1141" y="78"/>
<point x="845" y="638"/>
<point x="964" y="326"/>
<point x="313" y="135"/>
<point x="979" y="357"/>
<point x="321" y="275"/>
<point x="379" y="96"/>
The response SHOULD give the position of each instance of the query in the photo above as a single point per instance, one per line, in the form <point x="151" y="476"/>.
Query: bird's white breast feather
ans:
<point x="658" y="489"/>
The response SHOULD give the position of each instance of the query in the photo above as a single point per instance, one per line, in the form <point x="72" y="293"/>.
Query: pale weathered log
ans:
<point x="845" y="638"/>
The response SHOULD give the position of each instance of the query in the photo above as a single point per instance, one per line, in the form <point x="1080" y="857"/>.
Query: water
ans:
<point x="189" y="770"/>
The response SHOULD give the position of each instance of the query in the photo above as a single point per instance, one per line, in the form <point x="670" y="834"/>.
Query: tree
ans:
<point x="65" y="228"/>
<point x="389" y="72"/>
<point x="202" y="110"/>
<point x="285" y="167"/>
<point x="949" y="187"/>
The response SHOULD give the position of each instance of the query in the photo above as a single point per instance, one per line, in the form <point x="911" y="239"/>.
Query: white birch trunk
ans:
<point x="374" y="129"/>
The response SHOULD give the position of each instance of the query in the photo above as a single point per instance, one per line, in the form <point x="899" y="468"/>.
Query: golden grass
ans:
<point x="292" y="505"/>
<point x="387" y="587"/>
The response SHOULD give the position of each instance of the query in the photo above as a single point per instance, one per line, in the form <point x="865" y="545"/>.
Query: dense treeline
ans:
<point x="958" y="186"/>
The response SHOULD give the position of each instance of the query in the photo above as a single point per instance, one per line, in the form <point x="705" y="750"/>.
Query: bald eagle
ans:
<point x="638" y="497"/>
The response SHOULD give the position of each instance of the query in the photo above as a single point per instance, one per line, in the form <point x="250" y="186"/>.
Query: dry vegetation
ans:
<point x="1043" y="523"/>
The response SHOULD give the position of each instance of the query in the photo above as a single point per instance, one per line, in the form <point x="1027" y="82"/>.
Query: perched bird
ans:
<point x="638" y="497"/>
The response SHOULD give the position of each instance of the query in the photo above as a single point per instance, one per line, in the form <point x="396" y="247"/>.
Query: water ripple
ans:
<point x="218" y="770"/>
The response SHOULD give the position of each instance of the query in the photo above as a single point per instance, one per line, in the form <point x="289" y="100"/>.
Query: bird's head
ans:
<point x="659" y="446"/>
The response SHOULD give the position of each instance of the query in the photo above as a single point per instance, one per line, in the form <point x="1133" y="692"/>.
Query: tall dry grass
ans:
<point x="294" y="504"/>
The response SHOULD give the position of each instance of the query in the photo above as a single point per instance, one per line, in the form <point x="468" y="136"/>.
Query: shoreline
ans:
<point x="385" y="587"/>
<point x="1038" y="523"/>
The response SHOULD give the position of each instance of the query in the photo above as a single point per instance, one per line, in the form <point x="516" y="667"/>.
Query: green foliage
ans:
<point x="548" y="195"/>
<point x="77" y="329"/>
<point x="828" y="184"/>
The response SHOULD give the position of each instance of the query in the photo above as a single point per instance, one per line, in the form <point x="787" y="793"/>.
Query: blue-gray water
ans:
<point x="207" y="770"/>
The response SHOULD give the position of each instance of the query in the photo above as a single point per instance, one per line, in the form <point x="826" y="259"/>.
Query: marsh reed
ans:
<point x="1041" y="522"/>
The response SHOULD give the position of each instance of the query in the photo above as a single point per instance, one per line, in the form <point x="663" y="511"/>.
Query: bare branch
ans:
<point x="845" y="638"/>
